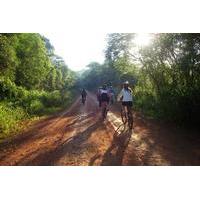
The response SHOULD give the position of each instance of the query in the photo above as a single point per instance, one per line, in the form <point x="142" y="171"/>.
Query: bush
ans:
<point x="17" y="103"/>
<point x="9" y="117"/>
<point x="146" y="102"/>
<point x="8" y="89"/>
<point x="52" y="99"/>
<point x="36" y="107"/>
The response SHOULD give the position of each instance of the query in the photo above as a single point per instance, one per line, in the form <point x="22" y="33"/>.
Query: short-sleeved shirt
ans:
<point x="104" y="94"/>
<point x="126" y="95"/>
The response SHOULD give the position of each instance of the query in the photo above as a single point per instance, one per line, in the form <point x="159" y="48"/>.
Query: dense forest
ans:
<point x="33" y="80"/>
<point x="165" y="75"/>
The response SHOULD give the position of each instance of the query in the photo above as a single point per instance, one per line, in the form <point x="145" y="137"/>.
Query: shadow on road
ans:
<point x="115" y="153"/>
<point x="73" y="145"/>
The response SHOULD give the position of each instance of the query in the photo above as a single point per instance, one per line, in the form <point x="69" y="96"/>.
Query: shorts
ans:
<point x="83" y="96"/>
<point x="127" y="103"/>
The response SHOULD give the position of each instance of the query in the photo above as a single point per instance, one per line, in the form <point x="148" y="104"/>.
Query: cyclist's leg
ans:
<point x="123" y="107"/>
<point x="129" y="110"/>
<point x="123" y="113"/>
<point x="130" y="115"/>
<point x="107" y="105"/>
<point x="103" y="106"/>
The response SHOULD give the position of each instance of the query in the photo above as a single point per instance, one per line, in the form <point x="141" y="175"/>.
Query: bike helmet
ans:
<point x="126" y="83"/>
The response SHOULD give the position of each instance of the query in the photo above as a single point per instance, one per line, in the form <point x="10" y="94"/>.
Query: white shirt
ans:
<point x="103" y="91"/>
<point x="127" y="95"/>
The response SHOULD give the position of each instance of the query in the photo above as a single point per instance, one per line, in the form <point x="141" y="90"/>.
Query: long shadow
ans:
<point x="34" y="130"/>
<point x="72" y="145"/>
<point x="94" y="158"/>
<point x="19" y="139"/>
<point x="169" y="146"/>
<point x="115" y="153"/>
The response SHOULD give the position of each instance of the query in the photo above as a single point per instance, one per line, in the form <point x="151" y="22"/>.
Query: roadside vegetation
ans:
<point x="165" y="74"/>
<point x="33" y="80"/>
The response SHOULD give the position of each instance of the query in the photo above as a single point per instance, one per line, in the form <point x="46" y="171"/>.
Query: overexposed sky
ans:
<point x="78" y="49"/>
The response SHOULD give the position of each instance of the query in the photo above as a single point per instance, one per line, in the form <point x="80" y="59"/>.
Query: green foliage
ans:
<point x="8" y="59"/>
<point x="172" y="65"/>
<point x="34" y="62"/>
<point x="19" y="104"/>
<point x="33" y="80"/>
<point x="36" y="107"/>
<point x="10" y="116"/>
<point x="118" y="45"/>
<point x="53" y="98"/>
<point x="164" y="75"/>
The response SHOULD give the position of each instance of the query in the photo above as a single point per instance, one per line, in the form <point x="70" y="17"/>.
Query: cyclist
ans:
<point x="105" y="98"/>
<point x="126" y="97"/>
<point x="99" y="95"/>
<point x="83" y="95"/>
<point x="112" y="94"/>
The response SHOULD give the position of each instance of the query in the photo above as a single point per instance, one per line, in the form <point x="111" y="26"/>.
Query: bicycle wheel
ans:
<point x="83" y="101"/>
<point x="104" y="113"/>
<point x="123" y="116"/>
<point x="130" y="121"/>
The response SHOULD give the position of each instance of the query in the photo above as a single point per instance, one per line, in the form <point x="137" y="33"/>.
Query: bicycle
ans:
<point x="127" y="116"/>
<point x="83" y="100"/>
<point x="104" y="106"/>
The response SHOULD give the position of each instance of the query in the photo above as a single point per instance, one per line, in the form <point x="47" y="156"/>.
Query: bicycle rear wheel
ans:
<point x="104" y="113"/>
<point x="83" y="100"/>
<point x="104" y="110"/>
<point x="123" y="116"/>
<point x="130" y="121"/>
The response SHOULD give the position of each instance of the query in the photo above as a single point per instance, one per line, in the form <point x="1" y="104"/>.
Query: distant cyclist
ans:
<point x="126" y="96"/>
<point x="112" y="94"/>
<point x="99" y="95"/>
<point x="83" y="95"/>
<point x="105" y="98"/>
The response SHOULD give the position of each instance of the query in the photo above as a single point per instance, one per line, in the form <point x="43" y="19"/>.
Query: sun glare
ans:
<point x="142" y="39"/>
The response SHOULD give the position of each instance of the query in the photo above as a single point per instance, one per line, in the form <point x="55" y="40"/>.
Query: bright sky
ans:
<point x="78" y="49"/>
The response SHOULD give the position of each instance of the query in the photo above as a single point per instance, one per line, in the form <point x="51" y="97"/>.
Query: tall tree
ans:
<point x="34" y="62"/>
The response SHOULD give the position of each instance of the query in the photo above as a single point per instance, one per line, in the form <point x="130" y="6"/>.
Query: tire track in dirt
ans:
<point x="71" y="138"/>
<point x="78" y="136"/>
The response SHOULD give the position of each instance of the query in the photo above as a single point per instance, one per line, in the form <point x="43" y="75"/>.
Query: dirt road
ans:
<point x="79" y="137"/>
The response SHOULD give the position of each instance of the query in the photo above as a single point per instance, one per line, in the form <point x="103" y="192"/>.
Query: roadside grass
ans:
<point x="16" y="118"/>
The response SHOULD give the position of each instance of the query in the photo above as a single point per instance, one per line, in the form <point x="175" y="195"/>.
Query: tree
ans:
<point x="118" y="45"/>
<point x="172" y="64"/>
<point x="8" y="58"/>
<point x="34" y="63"/>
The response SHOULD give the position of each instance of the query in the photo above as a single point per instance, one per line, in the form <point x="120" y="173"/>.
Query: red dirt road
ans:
<point x="79" y="137"/>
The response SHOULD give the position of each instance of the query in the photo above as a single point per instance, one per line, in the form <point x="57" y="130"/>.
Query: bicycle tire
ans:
<point x="104" y="113"/>
<point x="83" y="99"/>
<point x="130" y="121"/>
<point x="123" y="117"/>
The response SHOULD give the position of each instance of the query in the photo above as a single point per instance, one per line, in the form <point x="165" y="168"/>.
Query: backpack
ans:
<point x="104" y="97"/>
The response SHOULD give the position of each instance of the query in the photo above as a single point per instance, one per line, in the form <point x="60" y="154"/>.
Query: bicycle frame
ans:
<point x="104" y="106"/>
<point x="127" y="114"/>
<point x="83" y="100"/>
